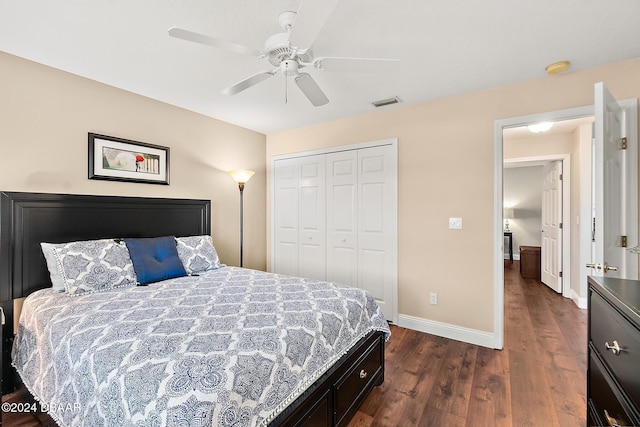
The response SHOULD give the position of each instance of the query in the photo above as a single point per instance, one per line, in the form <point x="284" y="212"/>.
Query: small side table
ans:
<point x="530" y="262"/>
<point x="509" y="235"/>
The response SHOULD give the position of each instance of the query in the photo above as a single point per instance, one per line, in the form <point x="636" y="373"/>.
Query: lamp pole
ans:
<point x="241" y="187"/>
<point x="241" y="177"/>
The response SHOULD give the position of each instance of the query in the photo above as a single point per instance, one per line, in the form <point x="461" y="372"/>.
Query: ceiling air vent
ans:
<point x="384" y="102"/>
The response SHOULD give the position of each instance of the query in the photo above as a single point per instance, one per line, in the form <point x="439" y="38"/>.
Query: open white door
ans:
<point x="551" y="251"/>
<point x="614" y="213"/>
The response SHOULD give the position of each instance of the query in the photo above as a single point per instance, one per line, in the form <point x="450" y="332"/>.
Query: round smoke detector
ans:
<point x="558" y="67"/>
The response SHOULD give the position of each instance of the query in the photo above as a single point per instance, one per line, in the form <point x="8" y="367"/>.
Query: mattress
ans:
<point x="230" y="347"/>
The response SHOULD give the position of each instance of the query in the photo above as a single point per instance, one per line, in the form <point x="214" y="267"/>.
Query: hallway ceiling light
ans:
<point x="557" y="67"/>
<point x="540" y="127"/>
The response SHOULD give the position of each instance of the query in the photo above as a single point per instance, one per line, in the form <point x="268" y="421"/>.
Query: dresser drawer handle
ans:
<point x="615" y="348"/>
<point x="363" y="374"/>
<point x="612" y="421"/>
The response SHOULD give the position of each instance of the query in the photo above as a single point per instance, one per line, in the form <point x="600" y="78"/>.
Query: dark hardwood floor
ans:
<point x="538" y="379"/>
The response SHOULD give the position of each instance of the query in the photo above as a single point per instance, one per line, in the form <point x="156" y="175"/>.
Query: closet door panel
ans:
<point x="372" y="272"/>
<point x="377" y="215"/>
<point x="342" y="230"/>
<point x="312" y="213"/>
<point x="286" y="217"/>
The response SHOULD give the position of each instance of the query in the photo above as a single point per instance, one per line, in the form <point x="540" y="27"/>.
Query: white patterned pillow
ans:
<point x="94" y="266"/>
<point x="48" y="249"/>
<point x="197" y="253"/>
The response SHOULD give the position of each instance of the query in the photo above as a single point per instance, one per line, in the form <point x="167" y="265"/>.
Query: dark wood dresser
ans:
<point x="613" y="374"/>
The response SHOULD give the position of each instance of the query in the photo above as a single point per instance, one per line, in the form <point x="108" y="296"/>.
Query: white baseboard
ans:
<point x="516" y="257"/>
<point x="581" y="302"/>
<point x="458" y="333"/>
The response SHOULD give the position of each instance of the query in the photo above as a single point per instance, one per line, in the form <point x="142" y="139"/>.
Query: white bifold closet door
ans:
<point x="361" y="220"/>
<point x="300" y="217"/>
<point x="335" y="219"/>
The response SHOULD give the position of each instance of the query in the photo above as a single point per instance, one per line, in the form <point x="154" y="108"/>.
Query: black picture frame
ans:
<point x="118" y="159"/>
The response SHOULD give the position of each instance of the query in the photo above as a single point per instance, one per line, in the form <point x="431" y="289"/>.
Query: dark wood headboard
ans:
<point x="26" y="219"/>
<point x="30" y="218"/>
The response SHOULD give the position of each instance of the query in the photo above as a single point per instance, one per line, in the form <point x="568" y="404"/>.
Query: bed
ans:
<point x="221" y="346"/>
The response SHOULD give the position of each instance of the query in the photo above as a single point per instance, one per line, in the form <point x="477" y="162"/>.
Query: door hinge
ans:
<point x="623" y="241"/>
<point x="560" y="225"/>
<point x="560" y="178"/>
<point x="560" y="274"/>
<point x="623" y="142"/>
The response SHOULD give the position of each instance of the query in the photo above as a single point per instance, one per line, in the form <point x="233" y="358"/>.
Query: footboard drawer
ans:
<point x="334" y="399"/>
<point x="355" y="384"/>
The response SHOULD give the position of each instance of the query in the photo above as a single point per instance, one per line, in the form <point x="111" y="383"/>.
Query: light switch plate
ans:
<point x="455" y="223"/>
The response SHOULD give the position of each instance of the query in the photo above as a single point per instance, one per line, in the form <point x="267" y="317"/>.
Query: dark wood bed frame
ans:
<point x="26" y="219"/>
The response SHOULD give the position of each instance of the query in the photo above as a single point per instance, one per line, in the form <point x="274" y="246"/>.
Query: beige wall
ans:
<point x="45" y="115"/>
<point x="446" y="166"/>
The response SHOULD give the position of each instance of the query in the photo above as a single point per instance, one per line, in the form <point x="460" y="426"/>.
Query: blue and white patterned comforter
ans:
<point x="231" y="347"/>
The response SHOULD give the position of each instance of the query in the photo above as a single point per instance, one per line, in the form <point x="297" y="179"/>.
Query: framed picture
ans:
<point x="117" y="159"/>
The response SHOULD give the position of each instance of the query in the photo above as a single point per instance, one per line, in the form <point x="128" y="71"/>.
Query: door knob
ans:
<point x="609" y="268"/>
<point x="597" y="266"/>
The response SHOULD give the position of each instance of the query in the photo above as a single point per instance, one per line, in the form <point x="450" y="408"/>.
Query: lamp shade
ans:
<point x="241" y="175"/>
<point x="508" y="213"/>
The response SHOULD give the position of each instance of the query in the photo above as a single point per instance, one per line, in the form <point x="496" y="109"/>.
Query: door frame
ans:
<point x="498" y="241"/>
<point x="631" y="106"/>
<point x="566" y="211"/>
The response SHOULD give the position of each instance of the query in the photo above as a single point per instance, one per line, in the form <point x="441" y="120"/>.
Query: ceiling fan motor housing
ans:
<point x="278" y="49"/>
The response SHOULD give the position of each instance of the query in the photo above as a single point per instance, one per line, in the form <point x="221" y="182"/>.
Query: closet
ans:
<point x="334" y="218"/>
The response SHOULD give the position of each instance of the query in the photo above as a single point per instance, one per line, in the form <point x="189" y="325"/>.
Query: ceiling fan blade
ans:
<point x="191" y="36"/>
<point x="356" y="65"/>
<point x="310" y="18"/>
<point x="311" y="90"/>
<point x="248" y="82"/>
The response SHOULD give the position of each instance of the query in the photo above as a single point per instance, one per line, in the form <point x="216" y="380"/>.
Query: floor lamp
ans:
<point x="241" y="177"/>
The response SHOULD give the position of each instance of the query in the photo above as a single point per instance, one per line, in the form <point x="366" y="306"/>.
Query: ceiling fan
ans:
<point x="289" y="52"/>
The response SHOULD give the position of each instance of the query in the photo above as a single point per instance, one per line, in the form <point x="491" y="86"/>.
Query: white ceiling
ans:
<point x="445" y="48"/>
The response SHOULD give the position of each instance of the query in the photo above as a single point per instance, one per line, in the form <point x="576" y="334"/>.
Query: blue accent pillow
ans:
<point x="155" y="259"/>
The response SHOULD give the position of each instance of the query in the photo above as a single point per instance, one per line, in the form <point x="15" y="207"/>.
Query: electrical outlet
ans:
<point x="433" y="298"/>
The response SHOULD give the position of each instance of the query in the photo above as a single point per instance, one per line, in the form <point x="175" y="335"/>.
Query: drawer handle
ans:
<point x="363" y="374"/>
<point x="615" y="348"/>
<point x="612" y="421"/>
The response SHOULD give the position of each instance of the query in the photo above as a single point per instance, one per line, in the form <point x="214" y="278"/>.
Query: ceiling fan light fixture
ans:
<point x="557" y="67"/>
<point x="385" y="102"/>
<point x="289" y="67"/>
